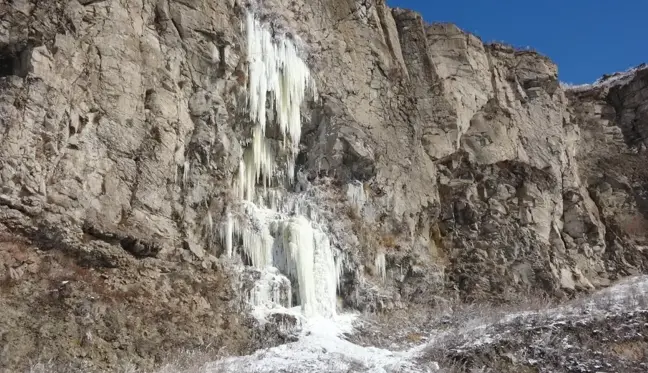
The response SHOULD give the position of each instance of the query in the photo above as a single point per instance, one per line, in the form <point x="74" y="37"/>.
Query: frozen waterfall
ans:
<point x="272" y="234"/>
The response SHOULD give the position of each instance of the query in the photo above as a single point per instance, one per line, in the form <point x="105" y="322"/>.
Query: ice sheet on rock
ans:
<point x="250" y="230"/>
<point x="307" y="256"/>
<point x="292" y="244"/>
<point x="271" y="291"/>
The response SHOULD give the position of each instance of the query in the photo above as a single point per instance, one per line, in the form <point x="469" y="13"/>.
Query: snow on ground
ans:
<point x="610" y="81"/>
<point x="322" y="348"/>
<point x="627" y="296"/>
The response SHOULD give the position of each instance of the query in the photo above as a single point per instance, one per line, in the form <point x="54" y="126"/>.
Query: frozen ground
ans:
<point x="322" y="348"/>
<point x="604" y="332"/>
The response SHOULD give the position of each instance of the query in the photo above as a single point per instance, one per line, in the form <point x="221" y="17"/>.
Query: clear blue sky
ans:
<point x="586" y="38"/>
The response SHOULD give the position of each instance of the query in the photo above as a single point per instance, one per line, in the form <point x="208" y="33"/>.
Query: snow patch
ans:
<point x="321" y="348"/>
<point x="607" y="81"/>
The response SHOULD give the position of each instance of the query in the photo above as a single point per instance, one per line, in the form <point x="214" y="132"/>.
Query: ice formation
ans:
<point x="271" y="230"/>
<point x="280" y="78"/>
<point x="272" y="289"/>
<point x="275" y="68"/>
<point x="356" y="194"/>
<point x="381" y="265"/>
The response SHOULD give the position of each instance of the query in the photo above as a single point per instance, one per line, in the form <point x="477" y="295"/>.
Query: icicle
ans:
<point x="257" y="164"/>
<point x="277" y="74"/>
<point x="279" y="82"/>
<point x="339" y="267"/>
<point x="299" y="242"/>
<point x="210" y="222"/>
<point x="229" y="232"/>
<point x="356" y="194"/>
<point x="185" y="172"/>
<point x="381" y="265"/>
<point x="226" y="233"/>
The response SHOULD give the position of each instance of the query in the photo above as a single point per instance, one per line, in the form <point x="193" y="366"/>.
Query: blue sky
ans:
<point x="586" y="38"/>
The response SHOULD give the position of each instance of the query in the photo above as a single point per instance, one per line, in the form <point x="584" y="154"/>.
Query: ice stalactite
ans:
<point x="185" y="172"/>
<point x="257" y="164"/>
<point x="381" y="265"/>
<point x="279" y="76"/>
<point x="356" y="194"/>
<point x="229" y="231"/>
<point x="252" y="231"/>
<point x="272" y="231"/>
<point x="275" y="68"/>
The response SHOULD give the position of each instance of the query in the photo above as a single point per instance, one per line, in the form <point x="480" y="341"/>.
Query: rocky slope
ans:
<point x="464" y="167"/>
<point x="604" y="332"/>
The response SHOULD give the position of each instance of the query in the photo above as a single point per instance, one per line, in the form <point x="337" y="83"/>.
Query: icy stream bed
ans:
<point x="322" y="348"/>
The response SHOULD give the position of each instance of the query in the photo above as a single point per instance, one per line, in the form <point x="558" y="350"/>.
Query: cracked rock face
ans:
<point x="121" y="129"/>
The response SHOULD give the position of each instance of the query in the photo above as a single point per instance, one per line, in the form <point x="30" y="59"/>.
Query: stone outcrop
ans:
<point x="121" y="130"/>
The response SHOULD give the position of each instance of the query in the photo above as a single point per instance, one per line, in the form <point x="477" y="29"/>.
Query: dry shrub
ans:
<point x="388" y="241"/>
<point x="13" y="254"/>
<point x="415" y="337"/>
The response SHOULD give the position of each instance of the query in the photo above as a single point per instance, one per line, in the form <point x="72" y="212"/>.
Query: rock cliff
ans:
<point x="445" y="169"/>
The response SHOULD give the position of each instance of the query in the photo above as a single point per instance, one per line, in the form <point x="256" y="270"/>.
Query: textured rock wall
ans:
<point x="611" y="120"/>
<point x="122" y="127"/>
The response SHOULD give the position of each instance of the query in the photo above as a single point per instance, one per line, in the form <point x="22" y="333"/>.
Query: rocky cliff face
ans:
<point x="461" y="170"/>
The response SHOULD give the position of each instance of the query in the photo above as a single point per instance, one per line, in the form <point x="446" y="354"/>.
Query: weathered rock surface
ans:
<point x="72" y="317"/>
<point x="121" y="129"/>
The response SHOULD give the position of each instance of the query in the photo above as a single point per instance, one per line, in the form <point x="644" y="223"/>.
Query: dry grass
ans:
<point x="631" y="350"/>
<point x="466" y="323"/>
<point x="388" y="241"/>
<point x="183" y="362"/>
<point x="635" y="226"/>
<point x="13" y="255"/>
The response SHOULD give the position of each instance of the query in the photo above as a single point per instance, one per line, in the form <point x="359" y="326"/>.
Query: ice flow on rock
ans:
<point x="273" y="235"/>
